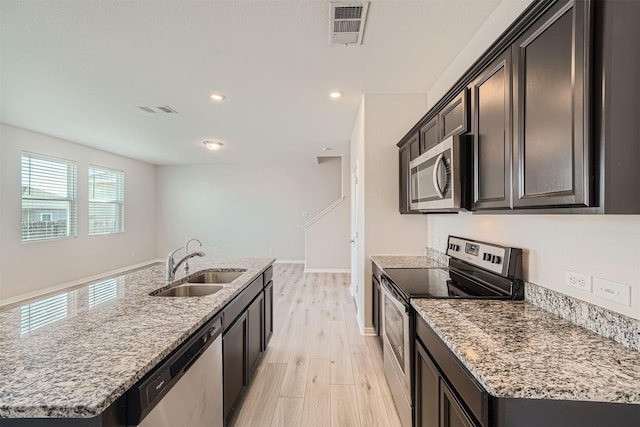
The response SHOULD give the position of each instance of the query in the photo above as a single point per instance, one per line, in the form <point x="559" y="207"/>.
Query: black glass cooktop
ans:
<point x="440" y="283"/>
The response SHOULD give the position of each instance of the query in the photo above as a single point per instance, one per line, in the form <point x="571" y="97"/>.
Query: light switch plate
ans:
<point x="613" y="291"/>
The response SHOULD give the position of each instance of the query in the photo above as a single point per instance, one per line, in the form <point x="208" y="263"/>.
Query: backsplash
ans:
<point x="609" y="324"/>
<point x="436" y="255"/>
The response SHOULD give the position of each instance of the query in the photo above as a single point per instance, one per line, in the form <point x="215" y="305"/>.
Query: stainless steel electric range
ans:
<point x="477" y="270"/>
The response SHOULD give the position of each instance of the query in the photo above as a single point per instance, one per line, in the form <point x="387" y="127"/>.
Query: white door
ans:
<point x="354" y="231"/>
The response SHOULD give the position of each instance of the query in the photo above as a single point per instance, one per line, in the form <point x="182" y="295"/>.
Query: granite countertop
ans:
<point x="517" y="350"/>
<point x="405" y="262"/>
<point x="110" y="334"/>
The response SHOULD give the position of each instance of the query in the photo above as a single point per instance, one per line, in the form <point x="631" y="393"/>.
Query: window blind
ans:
<point x="106" y="201"/>
<point x="49" y="197"/>
<point x="44" y="312"/>
<point x="102" y="292"/>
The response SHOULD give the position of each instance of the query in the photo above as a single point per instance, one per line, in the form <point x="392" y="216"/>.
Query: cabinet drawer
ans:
<point x="240" y="303"/>
<point x="268" y="274"/>
<point x="470" y="392"/>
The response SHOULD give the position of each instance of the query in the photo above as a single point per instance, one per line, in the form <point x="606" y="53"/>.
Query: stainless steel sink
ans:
<point x="216" y="276"/>
<point x="190" y="290"/>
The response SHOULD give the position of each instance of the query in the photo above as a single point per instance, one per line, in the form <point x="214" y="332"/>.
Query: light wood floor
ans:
<point x="318" y="369"/>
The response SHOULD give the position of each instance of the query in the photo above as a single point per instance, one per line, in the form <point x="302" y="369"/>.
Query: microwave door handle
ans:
<point x="436" y="183"/>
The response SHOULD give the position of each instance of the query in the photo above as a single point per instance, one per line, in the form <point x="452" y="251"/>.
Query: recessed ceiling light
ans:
<point x="213" y="145"/>
<point x="218" y="97"/>
<point x="335" y="94"/>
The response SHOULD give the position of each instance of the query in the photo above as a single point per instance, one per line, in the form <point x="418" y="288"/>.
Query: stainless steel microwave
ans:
<point x="440" y="176"/>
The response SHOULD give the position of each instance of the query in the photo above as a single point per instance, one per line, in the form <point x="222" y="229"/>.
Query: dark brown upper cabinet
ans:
<point x="429" y="135"/>
<point x="551" y="84"/>
<point x="453" y="119"/>
<point x="409" y="151"/>
<point x="491" y="128"/>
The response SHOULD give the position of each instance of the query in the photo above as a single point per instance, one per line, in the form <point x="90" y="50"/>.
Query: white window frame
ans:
<point x="117" y="201"/>
<point x="31" y="194"/>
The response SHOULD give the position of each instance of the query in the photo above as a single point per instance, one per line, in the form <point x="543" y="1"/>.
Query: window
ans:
<point x="106" y="201"/>
<point x="49" y="203"/>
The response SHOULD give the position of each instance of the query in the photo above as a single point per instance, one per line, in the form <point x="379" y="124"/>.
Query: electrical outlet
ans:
<point x="613" y="291"/>
<point x="577" y="280"/>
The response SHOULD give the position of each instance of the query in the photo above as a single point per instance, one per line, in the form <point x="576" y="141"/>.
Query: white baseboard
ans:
<point x="57" y="288"/>
<point x="369" y="331"/>
<point x="289" y="261"/>
<point x="327" y="270"/>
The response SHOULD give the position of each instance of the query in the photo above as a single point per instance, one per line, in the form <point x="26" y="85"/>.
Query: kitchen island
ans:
<point x="79" y="365"/>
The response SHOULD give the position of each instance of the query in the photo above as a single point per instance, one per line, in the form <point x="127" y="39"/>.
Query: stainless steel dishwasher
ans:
<point x="185" y="389"/>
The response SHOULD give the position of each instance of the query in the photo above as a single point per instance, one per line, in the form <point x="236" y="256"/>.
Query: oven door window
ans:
<point x="394" y="329"/>
<point x="430" y="179"/>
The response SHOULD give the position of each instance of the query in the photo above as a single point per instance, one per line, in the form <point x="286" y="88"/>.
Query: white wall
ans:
<point x="607" y="247"/>
<point x="327" y="247"/>
<point x="498" y="21"/>
<point x="65" y="260"/>
<point x="382" y="229"/>
<point x="243" y="210"/>
<point x="602" y="246"/>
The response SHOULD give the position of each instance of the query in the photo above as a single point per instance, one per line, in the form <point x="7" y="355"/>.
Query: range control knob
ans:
<point x="486" y="257"/>
<point x="454" y="247"/>
<point x="496" y="259"/>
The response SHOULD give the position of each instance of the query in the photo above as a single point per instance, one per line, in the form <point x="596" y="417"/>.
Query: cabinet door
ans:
<point x="452" y="414"/>
<point x="551" y="63"/>
<point x="234" y="344"/>
<point x="406" y="154"/>
<point x="427" y="390"/>
<point x="268" y="314"/>
<point x="375" y="309"/>
<point x="429" y="135"/>
<point x="255" y="317"/>
<point x="454" y="118"/>
<point x="491" y="110"/>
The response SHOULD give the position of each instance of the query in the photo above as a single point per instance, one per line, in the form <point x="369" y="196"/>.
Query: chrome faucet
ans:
<point x="186" y="264"/>
<point x="172" y="266"/>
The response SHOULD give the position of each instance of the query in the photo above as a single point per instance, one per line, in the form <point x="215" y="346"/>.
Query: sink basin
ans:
<point x="215" y="276"/>
<point x="190" y="290"/>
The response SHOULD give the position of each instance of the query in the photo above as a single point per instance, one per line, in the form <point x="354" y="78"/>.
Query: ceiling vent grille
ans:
<point x="165" y="109"/>
<point x="347" y="22"/>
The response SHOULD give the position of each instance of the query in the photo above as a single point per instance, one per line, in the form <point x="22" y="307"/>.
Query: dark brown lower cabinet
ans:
<point x="452" y="414"/>
<point x="268" y="314"/>
<point x="427" y="390"/>
<point x="234" y="345"/>
<point x="447" y="395"/>
<point x="248" y="320"/>
<point x="255" y="331"/>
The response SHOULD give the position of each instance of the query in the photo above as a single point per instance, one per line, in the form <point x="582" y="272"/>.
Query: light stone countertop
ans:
<point x="386" y="261"/>
<point x="517" y="350"/>
<point x="112" y="333"/>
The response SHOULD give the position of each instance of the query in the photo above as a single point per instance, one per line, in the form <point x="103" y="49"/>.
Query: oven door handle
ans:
<point x="394" y="294"/>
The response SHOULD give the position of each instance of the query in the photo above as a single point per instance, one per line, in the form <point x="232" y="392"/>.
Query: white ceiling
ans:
<point x="78" y="70"/>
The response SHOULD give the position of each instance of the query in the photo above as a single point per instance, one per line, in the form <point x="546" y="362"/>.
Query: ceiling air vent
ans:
<point x="161" y="109"/>
<point x="347" y="22"/>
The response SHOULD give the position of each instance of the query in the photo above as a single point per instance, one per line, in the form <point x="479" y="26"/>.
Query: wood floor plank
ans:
<point x="392" y="412"/>
<point x="316" y="411"/>
<point x="367" y="389"/>
<point x="378" y="364"/>
<point x="344" y="406"/>
<point x="341" y="368"/>
<point x="318" y="370"/>
<point x="288" y="412"/>
<point x="260" y="403"/>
